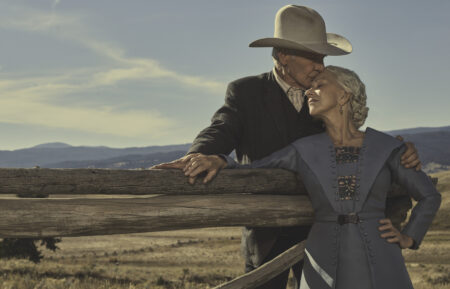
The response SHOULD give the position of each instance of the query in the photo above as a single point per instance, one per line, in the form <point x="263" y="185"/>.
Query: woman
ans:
<point x="347" y="173"/>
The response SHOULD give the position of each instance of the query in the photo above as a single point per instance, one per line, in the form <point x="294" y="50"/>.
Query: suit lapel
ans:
<point x="272" y="94"/>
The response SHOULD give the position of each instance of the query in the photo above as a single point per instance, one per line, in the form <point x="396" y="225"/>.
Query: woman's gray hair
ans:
<point x="351" y="83"/>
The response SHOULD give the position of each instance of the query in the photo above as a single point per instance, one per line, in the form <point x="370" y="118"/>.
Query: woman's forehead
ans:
<point x="324" y="75"/>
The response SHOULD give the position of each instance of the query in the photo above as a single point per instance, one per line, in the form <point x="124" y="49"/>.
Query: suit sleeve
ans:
<point x="421" y="189"/>
<point x="224" y="133"/>
<point x="286" y="158"/>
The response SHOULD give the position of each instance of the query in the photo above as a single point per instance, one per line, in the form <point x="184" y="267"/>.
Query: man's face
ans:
<point x="300" y="68"/>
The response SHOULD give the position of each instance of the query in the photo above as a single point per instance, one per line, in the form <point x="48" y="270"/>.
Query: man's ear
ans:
<point x="283" y="58"/>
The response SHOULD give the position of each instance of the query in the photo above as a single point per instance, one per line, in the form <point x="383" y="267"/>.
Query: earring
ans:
<point x="341" y="110"/>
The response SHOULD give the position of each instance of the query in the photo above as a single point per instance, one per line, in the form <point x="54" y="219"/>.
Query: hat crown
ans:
<point x="300" y="24"/>
<point x="303" y="29"/>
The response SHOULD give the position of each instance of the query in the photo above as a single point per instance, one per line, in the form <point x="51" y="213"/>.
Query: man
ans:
<point x="264" y="113"/>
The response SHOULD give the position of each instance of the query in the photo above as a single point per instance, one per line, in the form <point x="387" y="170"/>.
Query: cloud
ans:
<point x="71" y="27"/>
<point x="30" y="99"/>
<point x="103" y="120"/>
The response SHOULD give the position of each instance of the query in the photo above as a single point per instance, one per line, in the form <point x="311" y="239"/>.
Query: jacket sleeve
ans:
<point x="225" y="130"/>
<point x="421" y="189"/>
<point x="285" y="158"/>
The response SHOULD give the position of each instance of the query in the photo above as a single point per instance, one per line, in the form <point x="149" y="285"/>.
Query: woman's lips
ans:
<point x="312" y="100"/>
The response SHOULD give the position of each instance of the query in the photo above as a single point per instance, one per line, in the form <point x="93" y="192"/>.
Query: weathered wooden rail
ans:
<point x="255" y="197"/>
<point x="262" y="197"/>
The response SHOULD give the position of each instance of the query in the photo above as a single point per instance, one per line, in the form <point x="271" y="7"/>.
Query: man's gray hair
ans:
<point x="276" y="60"/>
<point x="351" y="83"/>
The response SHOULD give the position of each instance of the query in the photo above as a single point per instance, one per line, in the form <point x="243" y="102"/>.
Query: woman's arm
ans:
<point x="286" y="158"/>
<point x="421" y="189"/>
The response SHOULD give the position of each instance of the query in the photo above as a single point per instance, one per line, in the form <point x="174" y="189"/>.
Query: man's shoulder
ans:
<point x="251" y="81"/>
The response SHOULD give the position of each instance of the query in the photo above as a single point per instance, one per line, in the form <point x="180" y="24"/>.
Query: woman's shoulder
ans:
<point x="379" y="140"/>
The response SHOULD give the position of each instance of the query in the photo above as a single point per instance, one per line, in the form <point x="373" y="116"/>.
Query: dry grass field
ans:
<point x="190" y="259"/>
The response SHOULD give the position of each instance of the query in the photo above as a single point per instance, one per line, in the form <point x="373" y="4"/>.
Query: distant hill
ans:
<point x="52" y="145"/>
<point x="122" y="162"/>
<point x="433" y="145"/>
<point x="49" y="154"/>
<point x="418" y="130"/>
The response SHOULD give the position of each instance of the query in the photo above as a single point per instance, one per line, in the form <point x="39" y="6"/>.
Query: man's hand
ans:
<point x="201" y="163"/>
<point x="410" y="158"/>
<point x="176" y="164"/>
<point x="195" y="164"/>
<point x="392" y="235"/>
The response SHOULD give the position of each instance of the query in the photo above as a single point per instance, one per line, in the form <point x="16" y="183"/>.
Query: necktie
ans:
<point x="295" y="95"/>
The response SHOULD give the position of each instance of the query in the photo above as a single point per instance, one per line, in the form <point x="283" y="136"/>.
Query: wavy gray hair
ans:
<point x="351" y="83"/>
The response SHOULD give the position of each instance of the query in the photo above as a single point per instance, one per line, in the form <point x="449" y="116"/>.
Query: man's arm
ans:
<point x="221" y="137"/>
<point x="224" y="133"/>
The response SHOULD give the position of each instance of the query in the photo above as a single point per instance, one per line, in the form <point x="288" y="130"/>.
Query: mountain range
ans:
<point x="433" y="145"/>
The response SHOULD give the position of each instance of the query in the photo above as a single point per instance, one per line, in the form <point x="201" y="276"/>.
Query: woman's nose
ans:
<point x="309" y="93"/>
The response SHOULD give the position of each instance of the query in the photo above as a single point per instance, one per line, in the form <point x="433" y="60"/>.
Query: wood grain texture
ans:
<point x="84" y="217"/>
<point x="268" y="270"/>
<point x="141" y="182"/>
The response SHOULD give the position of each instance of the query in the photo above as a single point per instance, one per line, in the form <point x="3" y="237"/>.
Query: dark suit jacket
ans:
<point x="253" y="121"/>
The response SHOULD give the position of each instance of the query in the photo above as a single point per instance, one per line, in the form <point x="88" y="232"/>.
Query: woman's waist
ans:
<point x="347" y="218"/>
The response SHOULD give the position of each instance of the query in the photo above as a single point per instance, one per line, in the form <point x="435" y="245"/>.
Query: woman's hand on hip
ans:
<point x="200" y="163"/>
<point x="392" y="235"/>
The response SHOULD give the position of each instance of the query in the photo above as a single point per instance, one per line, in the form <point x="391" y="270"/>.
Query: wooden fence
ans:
<point x="253" y="197"/>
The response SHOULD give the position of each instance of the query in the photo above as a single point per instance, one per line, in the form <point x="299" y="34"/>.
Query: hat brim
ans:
<point x="336" y="45"/>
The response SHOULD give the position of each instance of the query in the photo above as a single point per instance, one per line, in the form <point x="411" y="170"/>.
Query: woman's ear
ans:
<point x="344" y="98"/>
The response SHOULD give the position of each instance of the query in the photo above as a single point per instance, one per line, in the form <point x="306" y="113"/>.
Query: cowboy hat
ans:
<point x="302" y="28"/>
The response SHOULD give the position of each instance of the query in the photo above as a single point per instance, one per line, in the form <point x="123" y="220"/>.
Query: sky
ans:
<point x="153" y="72"/>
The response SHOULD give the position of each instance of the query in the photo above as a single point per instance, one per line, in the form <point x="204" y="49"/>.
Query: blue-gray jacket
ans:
<point x="314" y="159"/>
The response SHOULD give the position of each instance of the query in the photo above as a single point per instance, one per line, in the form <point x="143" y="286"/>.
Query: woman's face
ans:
<point x="324" y="94"/>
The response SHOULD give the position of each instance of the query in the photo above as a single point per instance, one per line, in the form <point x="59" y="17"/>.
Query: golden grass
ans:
<point x="200" y="258"/>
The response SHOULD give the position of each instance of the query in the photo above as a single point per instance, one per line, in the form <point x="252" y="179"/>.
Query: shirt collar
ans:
<point x="280" y="81"/>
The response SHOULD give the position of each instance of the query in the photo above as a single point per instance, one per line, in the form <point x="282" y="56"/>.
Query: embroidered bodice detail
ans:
<point x="346" y="187"/>
<point x="347" y="154"/>
<point x="347" y="160"/>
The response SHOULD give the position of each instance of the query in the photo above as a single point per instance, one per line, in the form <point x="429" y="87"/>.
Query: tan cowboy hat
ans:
<point x="302" y="28"/>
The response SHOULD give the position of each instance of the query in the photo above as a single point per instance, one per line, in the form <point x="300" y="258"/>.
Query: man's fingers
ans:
<point x="414" y="163"/>
<point x="192" y="163"/>
<point x="209" y="176"/>
<point x="418" y="167"/>
<point x="191" y="167"/>
<point x="407" y="162"/>
<point x="171" y="165"/>
<point x="410" y="150"/>
<point x="399" y="137"/>
<point x="198" y="170"/>
<point x="192" y="180"/>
